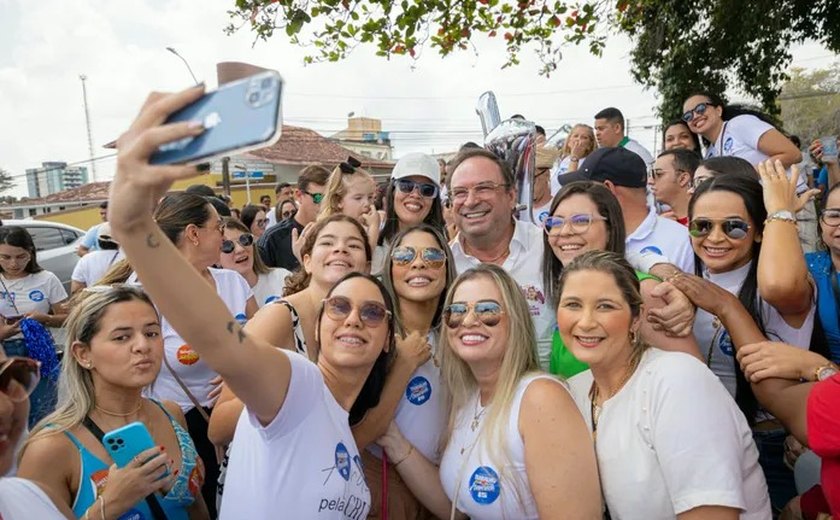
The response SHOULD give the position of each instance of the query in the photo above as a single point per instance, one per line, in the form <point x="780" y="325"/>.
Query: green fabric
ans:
<point x="562" y="362"/>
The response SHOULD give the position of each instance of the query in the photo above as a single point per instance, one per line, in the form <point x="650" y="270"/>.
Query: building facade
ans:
<point x="53" y="177"/>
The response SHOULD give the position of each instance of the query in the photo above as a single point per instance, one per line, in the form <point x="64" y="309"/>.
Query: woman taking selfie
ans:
<point x="115" y="349"/>
<point x="505" y="416"/>
<point x="296" y="411"/>
<point x="239" y="254"/>
<point x="643" y="403"/>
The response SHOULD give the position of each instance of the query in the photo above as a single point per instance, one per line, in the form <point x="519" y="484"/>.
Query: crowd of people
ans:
<point x="658" y="339"/>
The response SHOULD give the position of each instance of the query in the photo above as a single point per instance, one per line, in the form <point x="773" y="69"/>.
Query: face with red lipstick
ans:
<point x="127" y="349"/>
<point x="477" y="325"/>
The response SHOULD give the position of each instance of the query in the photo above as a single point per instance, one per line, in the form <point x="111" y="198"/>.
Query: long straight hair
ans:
<point x="392" y="221"/>
<point x="17" y="236"/>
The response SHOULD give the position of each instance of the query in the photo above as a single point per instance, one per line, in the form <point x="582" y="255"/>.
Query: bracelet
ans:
<point x="410" y="451"/>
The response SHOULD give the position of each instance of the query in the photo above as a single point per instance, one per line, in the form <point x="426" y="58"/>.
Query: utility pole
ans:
<point x="89" y="133"/>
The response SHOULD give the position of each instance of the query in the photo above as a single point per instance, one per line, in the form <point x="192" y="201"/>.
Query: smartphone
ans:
<point x="126" y="442"/>
<point x="239" y="116"/>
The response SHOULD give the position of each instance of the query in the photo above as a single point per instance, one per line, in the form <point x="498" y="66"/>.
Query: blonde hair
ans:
<point x="337" y="187"/>
<point x="519" y="360"/>
<point x="76" y="394"/>
<point x="567" y="147"/>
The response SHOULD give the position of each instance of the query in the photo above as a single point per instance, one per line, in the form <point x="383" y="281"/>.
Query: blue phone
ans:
<point x="240" y="116"/>
<point x="126" y="442"/>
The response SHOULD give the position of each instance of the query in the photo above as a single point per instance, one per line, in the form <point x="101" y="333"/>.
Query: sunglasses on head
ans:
<point x="426" y="189"/>
<point x="433" y="257"/>
<point x="488" y="312"/>
<point x="18" y="377"/>
<point x="700" y="109"/>
<point x="734" y="228"/>
<point x="372" y="314"/>
<point x="245" y="240"/>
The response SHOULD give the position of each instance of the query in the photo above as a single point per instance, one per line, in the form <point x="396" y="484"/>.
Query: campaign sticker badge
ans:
<point x="652" y="249"/>
<point x="342" y="461"/>
<point x="241" y="318"/>
<point x="36" y="296"/>
<point x="728" y="145"/>
<point x="272" y="298"/>
<point x="418" y="391"/>
<point x="186" y="355"/>
<point x="725" y="343"/>
<point x="484" y="485"/>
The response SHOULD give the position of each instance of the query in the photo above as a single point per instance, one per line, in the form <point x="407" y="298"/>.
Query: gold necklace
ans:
<point x="595" y="408"/>
<point x="476" y="421"/>
<point x="116" y="414"/>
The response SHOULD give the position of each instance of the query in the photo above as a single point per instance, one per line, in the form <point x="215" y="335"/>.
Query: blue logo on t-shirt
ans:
<point x="728" y="144"/>
<point x="342" y="461"/>
<point x="484" y="485"/>
<point x="542" y="216"/>
<point x="418" y="390"/>
<point x="36" y="296"/>
<point x="272" y="298"/>
<point x="241" y="318"/>
<point x="725" y="343"/>
<point x="132" y="514"/>
<point x="652" y="249"/>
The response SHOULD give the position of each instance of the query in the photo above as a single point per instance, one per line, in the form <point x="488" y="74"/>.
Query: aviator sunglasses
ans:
<point x="734" y="228"/>
<point x="427" y="190"/>
<point x="431" y="256"/>
<point x="245" y="240"/>
<point x="372" y="314"/>
<point x="488" y="312"/>
<point x="18" y="377"/>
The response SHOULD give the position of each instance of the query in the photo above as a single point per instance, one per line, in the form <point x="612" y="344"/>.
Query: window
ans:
<point x="46" y="238"/>
<point x="69" y="235"/>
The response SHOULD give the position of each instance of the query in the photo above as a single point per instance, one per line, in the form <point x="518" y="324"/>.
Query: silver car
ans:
<point x="55" y="244"/>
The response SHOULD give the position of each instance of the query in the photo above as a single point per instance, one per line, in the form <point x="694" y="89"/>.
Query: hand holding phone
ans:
<point x="127" y="443"/>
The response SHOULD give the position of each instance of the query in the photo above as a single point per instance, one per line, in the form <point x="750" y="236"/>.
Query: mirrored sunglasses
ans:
<point x="245" y="240"/>
<point x="734" y="228"/>
<point x="488" y="312"/>
<point x="432" y="256"/>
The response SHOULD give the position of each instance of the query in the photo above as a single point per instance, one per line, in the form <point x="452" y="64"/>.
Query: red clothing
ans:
<point x="683" y="220"/>
<point x="823" y="416"/>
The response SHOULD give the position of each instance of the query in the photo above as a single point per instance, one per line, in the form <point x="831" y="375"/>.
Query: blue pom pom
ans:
<point x="41" y="347"/>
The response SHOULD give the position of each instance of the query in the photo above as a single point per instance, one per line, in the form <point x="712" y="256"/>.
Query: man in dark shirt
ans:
<point x="275" y="245"/>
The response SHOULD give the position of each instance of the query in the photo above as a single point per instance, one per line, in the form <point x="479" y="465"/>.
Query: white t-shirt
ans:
<point x="421" y="412"/>
<point x="193" y="371"/>
<point x="93" y="266"/>
<point x="33" y="293"/>
<point x="637" y="148"/>
<point x="470" y="468"/>
<point x="22" y="499"/>
<point x="739" y="138"/>
<point x="303" y="464"/>
<point x="270" y="285"/>
<point x="541" y="213"/>
<point x="672" y="440"/>
<point x="664" y="237"/>
<point x="717" y="339"/>
<point x="524" y="264"/>
<point x="561" y="168"/>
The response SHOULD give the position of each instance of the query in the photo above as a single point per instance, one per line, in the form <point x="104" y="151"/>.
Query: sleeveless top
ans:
<point x="94" y="478"/>
<point x="300" y="339"/>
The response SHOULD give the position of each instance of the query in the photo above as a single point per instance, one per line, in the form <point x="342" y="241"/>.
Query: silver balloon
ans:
<point x="488" y="112"/>
<point x="514" y="142"/>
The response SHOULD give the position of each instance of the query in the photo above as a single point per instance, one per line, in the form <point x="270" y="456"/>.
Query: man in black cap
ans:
<point x="624" y="173"/>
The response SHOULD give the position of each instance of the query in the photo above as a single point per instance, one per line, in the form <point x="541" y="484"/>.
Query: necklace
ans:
<point x="594" y="394"/>
<point x="478" y="414"/>
<point x="116" y="414"/>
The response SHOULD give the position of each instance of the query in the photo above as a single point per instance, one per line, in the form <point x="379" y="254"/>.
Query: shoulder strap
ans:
<point x="186" y="390"/>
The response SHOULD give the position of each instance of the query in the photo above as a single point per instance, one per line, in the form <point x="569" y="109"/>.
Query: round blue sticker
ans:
<point x="272" y="298"/>
<point x="651" y="249"/>
<point x="418" y="391"/>
<point x="342" y="461"/>
<point x="728" y="144"/>
<point x="725" y="343"/>
<point x="241" y="318"/>
<point x="484" y="485"/>
<point x="542" y="216"/>
<point x="36" y="296"/>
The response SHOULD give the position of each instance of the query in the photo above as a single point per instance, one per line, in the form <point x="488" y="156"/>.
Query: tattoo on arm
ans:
<point x="240" y="334"/>
<point x="152" y="242"/>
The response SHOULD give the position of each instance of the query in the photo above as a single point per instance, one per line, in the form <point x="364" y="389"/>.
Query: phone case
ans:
<point x="125" y="443"/>
<point x="240" y="116"/>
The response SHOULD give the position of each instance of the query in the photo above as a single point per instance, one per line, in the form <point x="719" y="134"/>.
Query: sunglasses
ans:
<point x="830" y="217"/>
<point x="580" y="223"/>
<point x="245" y="240"/>
<point x="432" y="256"/>
<point x="372" y="314"/>
<point x="734" y="228"/>
<point x="18" y="377"/>
<point x="316" y="197"/>
<point x="427" y="190"/>
<point x="488" y="312"/>
<point x="700" y="109"/>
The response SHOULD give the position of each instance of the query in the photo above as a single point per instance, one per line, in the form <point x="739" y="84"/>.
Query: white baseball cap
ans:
<point x="417" y="164"/>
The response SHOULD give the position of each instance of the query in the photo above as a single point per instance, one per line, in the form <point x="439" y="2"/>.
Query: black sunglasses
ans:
<point x="372" y="314"/>
<point x="488" y="312"/>
<point x="427" y="190"/>
<point x="734" y="228"/>
<point x="700" y="109"/>
<point x="245" y="240"/>
<point x="316" y="197"/>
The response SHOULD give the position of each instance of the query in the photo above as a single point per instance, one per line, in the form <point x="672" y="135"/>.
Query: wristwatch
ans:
<point x="824" y="372"/>
<point x="784" y="215"/>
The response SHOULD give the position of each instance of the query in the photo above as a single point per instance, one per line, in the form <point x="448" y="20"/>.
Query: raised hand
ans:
<point x="779" y="191"/>
<point x="299" y="240"/>
<point x="414" y="348"/>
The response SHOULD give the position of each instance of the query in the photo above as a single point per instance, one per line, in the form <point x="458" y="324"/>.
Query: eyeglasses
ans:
<point x="372" y="314"/>
<point x="432" y="256"/>
<point x="700" y="109"/>
<point x="426" y="189"/>
<point x="316" y="197"/>
<point x="245" y="240"/>
<point x="482" y="190"/>
<point x="830" y="217"/>
<point x="579" y="223"/>
<point x="734" y="228"/>
<point x="17" y="259"/>
<point x="488" y="312"/>
<point x="18" y="377"/>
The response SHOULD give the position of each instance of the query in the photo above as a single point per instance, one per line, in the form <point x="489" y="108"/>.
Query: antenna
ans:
<point x="83" y="77"/>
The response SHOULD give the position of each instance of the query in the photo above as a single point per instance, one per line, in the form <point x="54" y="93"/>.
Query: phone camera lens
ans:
<point x="266" y="84"/>
<point x="254" y="98"/>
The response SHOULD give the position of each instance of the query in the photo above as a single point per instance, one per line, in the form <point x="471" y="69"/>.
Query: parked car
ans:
<point x="56" y="245"/>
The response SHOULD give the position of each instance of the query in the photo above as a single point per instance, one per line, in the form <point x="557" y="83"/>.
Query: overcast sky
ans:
<point x="428" y="105"/>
